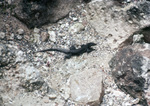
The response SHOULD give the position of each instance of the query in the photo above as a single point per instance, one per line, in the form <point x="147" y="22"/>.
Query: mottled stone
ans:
<point x="52" y="36"/>
<point x="36" y="30"/>
<point x="32" y="79"/>
<point x="2" y="35"/>
<point x="44" y="36"/>
<point x="20" y="31"/>
<point x="130" y="68"/>
<point x="1" y="101"/>
<point x="7" y="55"/>
<point x="77" y="27"/>
<point x="36" y="38"/>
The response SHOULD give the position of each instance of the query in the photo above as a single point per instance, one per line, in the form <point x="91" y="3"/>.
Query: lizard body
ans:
<point x="86" y="48"/>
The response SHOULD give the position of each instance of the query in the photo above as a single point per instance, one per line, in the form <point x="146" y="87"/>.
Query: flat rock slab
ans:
<point x="87" y="87"/>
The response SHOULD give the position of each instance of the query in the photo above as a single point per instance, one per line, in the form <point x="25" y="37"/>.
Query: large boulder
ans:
<point x="35" y="13"/>
<point x="130" y="70"/>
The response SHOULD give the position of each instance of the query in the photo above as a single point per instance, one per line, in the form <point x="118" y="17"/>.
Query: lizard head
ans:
<point x="91" y="44"/>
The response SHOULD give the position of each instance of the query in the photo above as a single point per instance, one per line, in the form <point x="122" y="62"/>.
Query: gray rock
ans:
<point x="32" y="80"/>
<point x="140" y="36"/>
<point x="2" y="35"/>
<point x="44" y="36"/>
<point x="146" y="33"/>
<point x="37" y="13"/>
<point x="130" y="69"/>
<point x="77" y="27"/>
<point x="52" y="36"/>
<point x="20" y="56"/>
<point x="1" y="101"/>
<point x="7" y="55"/>
<point x="20" y="31"/>
<point x="36" y="38"/>
<point x="36" y="30"/>
<point x="86" y="87"/>
<point x="65" y="92"/>
<point x="19" y="37"/>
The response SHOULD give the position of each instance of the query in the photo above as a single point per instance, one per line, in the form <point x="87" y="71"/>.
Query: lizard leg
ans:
<point x="90" y="50"/>
<point x="67" y="56"/>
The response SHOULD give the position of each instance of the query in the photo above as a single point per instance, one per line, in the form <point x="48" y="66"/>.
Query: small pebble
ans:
<point x="44" y="36"/>
<point x="2" y="35"/>
<point x="20" y="31"/>
<point x="52" y="36"/>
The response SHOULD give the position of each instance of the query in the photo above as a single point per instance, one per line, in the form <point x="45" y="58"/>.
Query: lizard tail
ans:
<point x="47" y="50"/>
<point x="58" y="50"/>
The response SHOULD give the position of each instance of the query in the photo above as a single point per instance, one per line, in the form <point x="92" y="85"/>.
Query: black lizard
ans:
<point x="86" y="48"/>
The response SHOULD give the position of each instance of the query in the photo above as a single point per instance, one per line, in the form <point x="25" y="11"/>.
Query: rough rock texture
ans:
<point x="140" y="36"/>
<point x="6" y="55"/>
<point x="87" y="87"/>
<point x="130" y="69"/>
<point x="115" y="22"/>
<point x="35" y="13"/>
<point x="1" y="101"/>
<point x="146" y="33"/>
<point x="138" y="12"/>
<point x="32" y="79"/>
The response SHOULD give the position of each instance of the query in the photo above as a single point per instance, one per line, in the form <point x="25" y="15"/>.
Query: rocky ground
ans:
<point x="46" y="79"/>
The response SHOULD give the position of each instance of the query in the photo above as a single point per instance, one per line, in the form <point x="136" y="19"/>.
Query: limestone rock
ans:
<point x="86" y="87"/>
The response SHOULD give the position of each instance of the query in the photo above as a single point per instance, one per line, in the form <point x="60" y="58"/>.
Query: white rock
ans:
<point x="36" y="38"/>
<point x="20" y="56"/>
<point x="20" y="31"/>
<point x="9" y="1"/>
<point x="2" y="35"/>
<point x="32" y="73"/>
<point x="137" y="38"/>
<point x="52" y="96"/>
<point x="77" y="27"/>
<point x="36" y="30"/>
<point x="65" y="92"/>
<point x="52" y="36"/>
<point x="86" y="87"/>
<point x="11" y="36"/>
